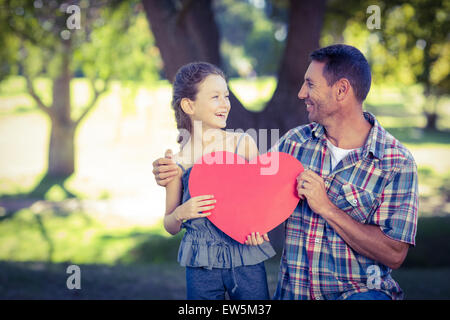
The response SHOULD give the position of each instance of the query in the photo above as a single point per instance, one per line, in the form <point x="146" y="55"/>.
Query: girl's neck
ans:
<point x="202" y="142"/>
<point x="206" y="136"/>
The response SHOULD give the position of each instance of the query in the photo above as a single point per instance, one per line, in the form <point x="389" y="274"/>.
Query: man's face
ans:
<point x="317" y="94"/>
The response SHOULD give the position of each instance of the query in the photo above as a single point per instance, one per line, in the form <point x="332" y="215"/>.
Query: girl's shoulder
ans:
<point x="245" y="146"/>
<point x="234" y="136"/>
<point x="182" y="160"/>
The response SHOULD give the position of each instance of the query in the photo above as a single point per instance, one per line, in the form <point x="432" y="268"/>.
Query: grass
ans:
<point x="58" y="237"/>
<point x="37" y="280"/>
<point x="140" y="263"/>
<point x="81" y="238"/>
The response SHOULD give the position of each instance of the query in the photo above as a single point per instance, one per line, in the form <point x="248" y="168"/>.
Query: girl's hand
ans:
<point x="256" y="239"/>
<point x="194" y="208"/>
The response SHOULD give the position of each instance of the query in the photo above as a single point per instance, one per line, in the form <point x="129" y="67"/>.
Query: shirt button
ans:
<point x="354" y="201"/>
<point x="317" y="298"/>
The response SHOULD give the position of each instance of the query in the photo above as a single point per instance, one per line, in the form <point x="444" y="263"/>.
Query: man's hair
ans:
<point x="343" y="61"/>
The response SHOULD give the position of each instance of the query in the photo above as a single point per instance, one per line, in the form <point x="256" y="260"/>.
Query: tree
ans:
<point x="186" y="31"/>
<point x="252" y="38"/>
<point x="55" y="40"/>
<point x="419" y="30"/>
<point x="411" y="45"/>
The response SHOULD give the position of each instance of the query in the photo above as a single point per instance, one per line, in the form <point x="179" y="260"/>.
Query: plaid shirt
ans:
<point x="377" y="185"/>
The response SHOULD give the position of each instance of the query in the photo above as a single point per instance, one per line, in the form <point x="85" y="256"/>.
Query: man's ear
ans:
<point x="187" y="106"/>
<point x="342" y="89"/>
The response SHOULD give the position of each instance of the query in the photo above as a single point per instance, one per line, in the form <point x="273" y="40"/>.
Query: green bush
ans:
<point x="432" y="244"/>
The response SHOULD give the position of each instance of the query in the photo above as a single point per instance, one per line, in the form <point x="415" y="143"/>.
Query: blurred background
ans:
<point x="85" y="110"/>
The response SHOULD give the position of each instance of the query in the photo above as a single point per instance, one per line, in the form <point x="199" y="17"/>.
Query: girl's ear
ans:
<point x="187" y="106"/>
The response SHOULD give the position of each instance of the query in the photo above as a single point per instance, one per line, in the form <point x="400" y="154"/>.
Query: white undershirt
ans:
<point x="337" y="154"/>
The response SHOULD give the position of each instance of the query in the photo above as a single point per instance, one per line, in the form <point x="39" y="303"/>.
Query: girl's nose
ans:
<point x="225" y="102"/>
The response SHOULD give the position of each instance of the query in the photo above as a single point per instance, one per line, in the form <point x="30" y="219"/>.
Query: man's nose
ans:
<point x="302" y="94"/>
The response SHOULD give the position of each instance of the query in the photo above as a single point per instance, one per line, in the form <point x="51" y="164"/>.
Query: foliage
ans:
<point x="110" y="42"/>
<point x="253" y="38"/>
<point x="411" y="47"/>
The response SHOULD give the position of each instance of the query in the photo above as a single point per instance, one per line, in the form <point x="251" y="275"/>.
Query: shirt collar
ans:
<point x="375" y="141"/>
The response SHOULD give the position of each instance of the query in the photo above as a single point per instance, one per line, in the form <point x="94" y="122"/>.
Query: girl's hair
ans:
<point x="185" y="85"/>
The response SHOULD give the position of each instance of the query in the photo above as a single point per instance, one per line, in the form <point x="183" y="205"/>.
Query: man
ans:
<point x="358" y="211"/>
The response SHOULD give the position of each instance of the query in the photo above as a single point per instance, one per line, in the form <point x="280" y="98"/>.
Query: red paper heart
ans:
<point x="251" y="197"/>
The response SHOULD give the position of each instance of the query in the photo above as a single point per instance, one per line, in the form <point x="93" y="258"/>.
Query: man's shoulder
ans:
<point x="395" y="153"/>
<point x="301" y="133"/>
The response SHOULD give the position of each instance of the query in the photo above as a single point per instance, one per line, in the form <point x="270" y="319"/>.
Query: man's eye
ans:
<point x="215" y="97"/>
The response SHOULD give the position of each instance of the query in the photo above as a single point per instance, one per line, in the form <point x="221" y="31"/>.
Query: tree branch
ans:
<point x="91" y="105"/>
<point x="36" y="98"/>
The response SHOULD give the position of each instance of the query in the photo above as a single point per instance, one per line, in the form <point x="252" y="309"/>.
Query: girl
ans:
<point x="215" y="263"/>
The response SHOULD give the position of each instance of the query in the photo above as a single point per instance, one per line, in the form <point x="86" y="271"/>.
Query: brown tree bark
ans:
<point x="190" y="34"/>
<point x="61" y="148"/>
<point x="284" y="110"/>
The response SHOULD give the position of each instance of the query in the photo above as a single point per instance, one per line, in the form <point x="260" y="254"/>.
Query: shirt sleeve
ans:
<point x="398" y="210"/>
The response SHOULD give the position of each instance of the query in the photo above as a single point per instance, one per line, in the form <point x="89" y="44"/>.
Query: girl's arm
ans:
<point x="247" y="148"/>
<point x="195" y="207"/>
<point x="172" y="224"/>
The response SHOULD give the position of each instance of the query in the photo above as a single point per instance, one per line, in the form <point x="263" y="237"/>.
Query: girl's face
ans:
<point x="212" y="103"/>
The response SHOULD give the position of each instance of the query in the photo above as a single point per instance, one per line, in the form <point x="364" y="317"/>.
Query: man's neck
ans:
<point x="349" y="131"/>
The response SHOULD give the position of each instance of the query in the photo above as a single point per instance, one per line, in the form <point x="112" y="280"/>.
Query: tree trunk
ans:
<point x="183" y="35"/>
<point x="61" y="154"/>
<point x="431" y="111"/>
<point x="61" y="150"/>
<point x="431" y="121"/>
<point x="284" y="110"/>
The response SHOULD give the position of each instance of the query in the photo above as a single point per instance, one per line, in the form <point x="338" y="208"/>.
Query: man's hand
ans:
<point x="312" y="187"/>
<point x="165" y="169"/>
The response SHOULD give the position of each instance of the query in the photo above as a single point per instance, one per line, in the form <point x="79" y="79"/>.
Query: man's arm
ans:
<point x="367" y="240"/>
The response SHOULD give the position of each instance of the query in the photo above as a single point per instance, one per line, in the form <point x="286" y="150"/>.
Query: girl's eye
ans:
<point x="215" y="97"/>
